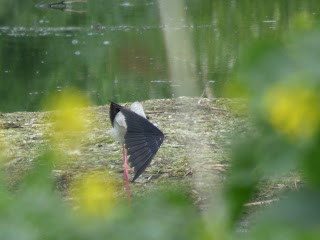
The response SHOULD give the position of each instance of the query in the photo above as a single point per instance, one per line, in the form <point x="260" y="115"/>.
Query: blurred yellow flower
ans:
<point x="95" y="195"/>
<point x="68" y="116"/>
<point x="71" y="119"/>
<point x="293" y="110"/>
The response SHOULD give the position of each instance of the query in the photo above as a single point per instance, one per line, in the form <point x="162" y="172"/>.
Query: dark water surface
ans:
<point x="117" y="49"/>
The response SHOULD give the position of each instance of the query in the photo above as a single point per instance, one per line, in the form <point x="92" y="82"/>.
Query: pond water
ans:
<point x="127" y="50"/>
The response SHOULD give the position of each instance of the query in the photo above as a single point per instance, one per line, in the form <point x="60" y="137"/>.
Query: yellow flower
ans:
<point x="71" y="119"/>
<point x="293" y="110"/>
<point x="95" y="195"/>
<point x="68" y="116"/>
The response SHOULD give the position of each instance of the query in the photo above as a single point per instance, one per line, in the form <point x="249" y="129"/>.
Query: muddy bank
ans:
<point x="194" y="155"/>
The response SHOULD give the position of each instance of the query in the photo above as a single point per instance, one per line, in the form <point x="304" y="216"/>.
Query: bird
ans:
<point x="140" y="139"/>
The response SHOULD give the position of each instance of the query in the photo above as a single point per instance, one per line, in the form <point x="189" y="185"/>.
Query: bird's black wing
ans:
<point x="142" y="140"/>
<point x="114" y="109"/>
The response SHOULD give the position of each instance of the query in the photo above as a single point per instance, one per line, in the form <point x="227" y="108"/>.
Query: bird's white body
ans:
<point x="119" y="128"/>
<point x="119" y="125"/>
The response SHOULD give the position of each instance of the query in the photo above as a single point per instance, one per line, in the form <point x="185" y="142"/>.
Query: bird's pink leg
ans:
<point x="126" y="165"/>
<point x="125" y="172"/>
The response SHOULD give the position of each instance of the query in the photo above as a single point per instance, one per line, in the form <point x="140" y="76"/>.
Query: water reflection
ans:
<point x="116" y="50"/>
<point x="62" y="6"/>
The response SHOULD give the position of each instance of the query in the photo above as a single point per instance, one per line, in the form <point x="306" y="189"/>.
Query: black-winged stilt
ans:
<point x="140" y="139"/>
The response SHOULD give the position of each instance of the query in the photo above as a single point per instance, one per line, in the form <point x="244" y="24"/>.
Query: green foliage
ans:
<point x="281" y="80"/>
<point x="296" y="217"/>
<point x="36" y="211"/>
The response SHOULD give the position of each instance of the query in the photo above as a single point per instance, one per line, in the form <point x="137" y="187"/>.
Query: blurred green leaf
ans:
<point x="243" y="178"/>
<point x="296" y="217"/>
